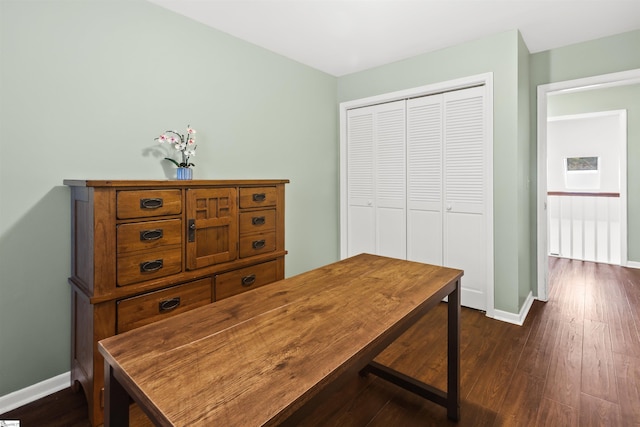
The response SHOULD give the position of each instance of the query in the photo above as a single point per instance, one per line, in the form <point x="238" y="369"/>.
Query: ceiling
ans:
<point x="345" y="36"/>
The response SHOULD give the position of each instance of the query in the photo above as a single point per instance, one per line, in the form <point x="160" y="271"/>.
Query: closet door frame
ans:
<point x="485" y="80"/>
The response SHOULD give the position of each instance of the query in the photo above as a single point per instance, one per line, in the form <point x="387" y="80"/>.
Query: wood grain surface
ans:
<point x="255" y="358"/>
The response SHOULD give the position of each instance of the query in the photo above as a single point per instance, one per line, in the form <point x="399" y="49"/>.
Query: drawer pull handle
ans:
<point x="258" y="220"/>
<point x="259" y="197"/>
<point x="249" y="280"/>
<point x="150" y="266"/>
<point x="191" y="235"/>
<point x="146" y="235"/>
<point x="258" y="244"/>
<point x="151" y="203"/>
<point x="169" y="304"/>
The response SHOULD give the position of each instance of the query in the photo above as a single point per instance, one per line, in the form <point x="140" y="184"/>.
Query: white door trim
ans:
<point x="587" y="83"/>
<point x="485" y="79"/>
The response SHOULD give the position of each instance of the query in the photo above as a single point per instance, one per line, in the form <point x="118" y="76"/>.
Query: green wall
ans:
<point x="503" y="55"/>
<point x="592" y="58"/>
<point x="615" y="98"/>
<point x="525" y="259"/>
<point x="85" y="87"/>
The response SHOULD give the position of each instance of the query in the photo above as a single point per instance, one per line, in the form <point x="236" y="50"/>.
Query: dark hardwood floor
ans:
<point x="575" y="362"/>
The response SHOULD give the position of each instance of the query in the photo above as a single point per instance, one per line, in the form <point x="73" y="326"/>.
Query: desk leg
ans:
<point x="453" y="354"/>
<point x="116" y="400"/>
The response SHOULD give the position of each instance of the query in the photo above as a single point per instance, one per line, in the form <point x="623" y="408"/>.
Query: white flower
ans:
<point x="181" y="142"/>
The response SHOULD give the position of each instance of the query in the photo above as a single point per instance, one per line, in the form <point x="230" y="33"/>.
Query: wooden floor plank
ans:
<point x="596" y="304"/>
<point x="623" y="330"/>
<point x="491" y="391"/>
<point x="595" y="412"/>
<point x="630" y="280"/>
<point x="536" y="354"/>
<point x="355" y="405"/>
<point x="552" y="413"/>
<point x="628" y="379"/>
<point x="598" y="375"/>
<point x="520" y="407"/>
<point x="563" y="381"/>
<point x="405" y="410"/>
<point x="570" y="332"/>
<point x="567" y="289"/>
<point x="474" y="358"/>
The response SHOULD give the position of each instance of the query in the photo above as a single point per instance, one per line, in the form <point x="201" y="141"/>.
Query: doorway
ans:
<point x="544" y="92"/>
<point x="586" y="188"/>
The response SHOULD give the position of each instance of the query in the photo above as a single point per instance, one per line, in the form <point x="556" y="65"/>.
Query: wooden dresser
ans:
<point x="147" y="250"/>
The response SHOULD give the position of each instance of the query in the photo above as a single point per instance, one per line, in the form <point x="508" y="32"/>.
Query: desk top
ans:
<point x="255" y="358"/>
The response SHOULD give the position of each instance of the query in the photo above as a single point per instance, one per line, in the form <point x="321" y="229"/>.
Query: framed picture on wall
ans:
<point x="582" y="164"/>
<point x="582" y="173"/>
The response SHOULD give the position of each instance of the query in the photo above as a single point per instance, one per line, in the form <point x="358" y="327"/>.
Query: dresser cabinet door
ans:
<point x="212" y="228"/>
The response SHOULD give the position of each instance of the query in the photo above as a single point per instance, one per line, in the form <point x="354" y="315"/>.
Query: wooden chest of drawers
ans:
<point x="148" y="250"/>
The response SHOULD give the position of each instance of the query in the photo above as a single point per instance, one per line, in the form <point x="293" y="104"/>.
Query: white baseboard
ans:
<point x="519" y="318"/>
<point x="34" y="392"/>
<point x="633" y="264"/>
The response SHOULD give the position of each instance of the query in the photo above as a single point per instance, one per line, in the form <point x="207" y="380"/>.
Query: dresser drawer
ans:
<point x="148" y="308"/>
<point x="238" y="281"/>
<point x="148" y="235"/>
<point x="257" y="221"/>
<point x="148" y="203"/>
<point x="255" y="197"/>
<point x="259" y="243"/>
<point x="149" y="265"/>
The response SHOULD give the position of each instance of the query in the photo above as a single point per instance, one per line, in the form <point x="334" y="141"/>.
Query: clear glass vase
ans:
<point x="184" y="173"/>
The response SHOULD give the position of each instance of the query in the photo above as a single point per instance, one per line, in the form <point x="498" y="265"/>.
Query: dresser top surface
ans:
<point x="169" y="183"/>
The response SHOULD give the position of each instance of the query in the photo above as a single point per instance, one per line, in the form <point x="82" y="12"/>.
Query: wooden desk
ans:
<point x="256" y="358"/>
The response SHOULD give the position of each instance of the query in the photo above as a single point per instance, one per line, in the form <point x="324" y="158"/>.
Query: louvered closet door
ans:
<point x="376" y="190"/>
<point x="465" y="240"/>
<point x="360" y="182"/>
<point x="416" y="184"/>
<point x="391" y="229"/>
<point x="424" y="179"/>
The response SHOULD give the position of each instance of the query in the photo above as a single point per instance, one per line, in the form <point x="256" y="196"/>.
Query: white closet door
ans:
<point x="360" y="181"/>
<point x="424" y="179"/>
<point x="390" y="135"/>
<point x="464" y="191"/>
<point x="376" y="190"/>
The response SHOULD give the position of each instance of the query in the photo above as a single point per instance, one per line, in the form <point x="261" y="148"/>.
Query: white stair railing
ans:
<point x="585" y="226"/>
